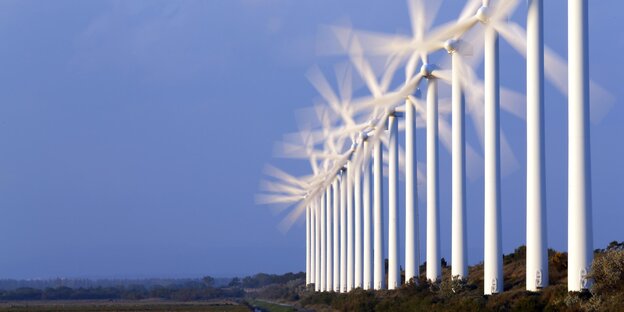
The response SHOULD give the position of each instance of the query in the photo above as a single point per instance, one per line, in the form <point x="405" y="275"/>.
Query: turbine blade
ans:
<point x="445" y="106"/>
<point x="470" y="9"/>
<point x="503" y="9"/>
<point x="376" y="43"/>
<point x="410" y="67"/>
<point x="514" y="34"/>
<point x="513" y="102"/>
<point x="279" y="174"/>
<point x="445" y="135"/>
<point x="474" y="163"/>
<point x="416" y="9"/>
<point x="443" y="74"/>
<point x="344" y="76"/>
<point x="432" y="12"/>
<point x="419" y="105"/>
<point x="475" y="110"/>
<point x="365" y="71"/>
<point x="391" y="68"/>
<point x="333" y="39"/>
<point x="601" y="102"/>
<point x="556" y="70"/>
<point x="449" y="31"/>
<point x="276" y="187"/>
<point x="421" y="179"/>
<point x="267" y="199"/>
<point x="320" y="83"/>
<point x="292" y="217"/>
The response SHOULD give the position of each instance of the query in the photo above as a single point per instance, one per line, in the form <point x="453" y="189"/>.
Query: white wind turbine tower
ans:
<point x="373" y="175"/>
<point x="536" y="242"/>
<point x="458" y="149"/>
<point x="336" y="211"/>
<point x="493" y="20"/>
<point x="412" y="255"/>
<point x="353" y="184"/>
<point x="343" y="230"/>
<point x="314" y="210"/>
<point x="323" y="276"/>
<point x="433" y="255"/>
<point x="418" y="47"/>
<point x="393" y="175"/>
<point x="329" y="236"/>
<point x="373" y="259"/>
<point x="378" y="89"/>
<point x="317" y="208"/>
<point x="333" y="209"/>
<point x="394" y="277"/>
<point x="332" y="196"/>
<point x="432" y="74"/>
<point x="317" y="79"/>
<point x="434" y="43"/>
<point x="492" y="260"/>
<point x="326" y="246"/>
<point x="289" y="190"/>
<point x="488" y="15"/>
<point x="580" y="240"/>
<point x="317" y="191"/>
<point x="323" y="241"/>
<point x="536" y="54"/>
<point x="311" y="191"/>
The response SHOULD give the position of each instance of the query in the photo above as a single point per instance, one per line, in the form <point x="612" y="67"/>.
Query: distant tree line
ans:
<point x="182" y="292"/>
<point x="263" y="279"/>
<point x="179" y="290"/>
<point x="8" y="284"/>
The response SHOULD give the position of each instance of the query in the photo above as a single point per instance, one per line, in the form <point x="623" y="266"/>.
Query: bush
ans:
<point x="607" y="271"/>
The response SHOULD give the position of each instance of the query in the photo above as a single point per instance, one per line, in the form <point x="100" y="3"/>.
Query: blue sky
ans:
<point x="134" y="133"/>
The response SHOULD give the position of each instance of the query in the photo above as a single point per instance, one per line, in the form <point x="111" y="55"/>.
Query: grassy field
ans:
<point x="272" y="307"/>
<point x="105" y="305"/>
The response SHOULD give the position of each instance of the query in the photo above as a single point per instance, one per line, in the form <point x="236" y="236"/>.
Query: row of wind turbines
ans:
<point x="358" y="137"/>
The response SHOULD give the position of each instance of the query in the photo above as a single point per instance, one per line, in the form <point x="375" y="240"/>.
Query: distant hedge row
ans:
<point x="185" y="292"/>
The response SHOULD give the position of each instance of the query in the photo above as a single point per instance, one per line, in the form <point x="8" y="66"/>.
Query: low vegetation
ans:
<point x="288" y="292"/>
<point x="606" y="292"/>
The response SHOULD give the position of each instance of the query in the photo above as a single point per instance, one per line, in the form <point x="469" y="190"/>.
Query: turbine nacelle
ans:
<point x="427" y="70"/>
<point x="363" y="136"/>
<point x="451" y="46"/>
<point x="458" y="46"/>
<point x="483" y="14"/>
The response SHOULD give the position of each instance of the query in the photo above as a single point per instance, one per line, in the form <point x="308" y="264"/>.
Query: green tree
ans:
<point x="209" y="281"/>
<point x="235" y="282"/>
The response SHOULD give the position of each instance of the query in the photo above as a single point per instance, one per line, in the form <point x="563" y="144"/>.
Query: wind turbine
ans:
<point x="324" y="280"/>
<point x="354" y="228"/>
<point x="579" y="85"/>
<point x="580" y="238"/>
<point x="372" y="185"/>
<point x="418" y="47"/>
<point x="378" y="89"/>
<point x="580" y="250"/>
<point x="492" y="18"/>
<point x="289" y="190"/>
<point x="346" y="213"/>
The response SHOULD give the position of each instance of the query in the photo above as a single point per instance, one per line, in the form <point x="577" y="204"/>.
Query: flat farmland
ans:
<point x="121" y="305"/>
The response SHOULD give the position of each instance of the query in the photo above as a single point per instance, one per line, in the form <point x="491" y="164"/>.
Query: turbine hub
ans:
<point x="450" y="46"/>
<point x="483" y="14"/>
<point x="363" y="136"/>
<point x="426" y="70"/>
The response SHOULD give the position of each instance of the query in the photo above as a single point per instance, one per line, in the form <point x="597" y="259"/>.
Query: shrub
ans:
<point x="607" y="271"/>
